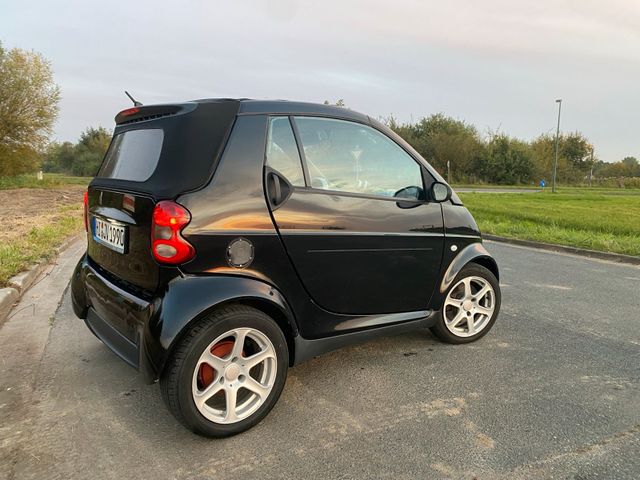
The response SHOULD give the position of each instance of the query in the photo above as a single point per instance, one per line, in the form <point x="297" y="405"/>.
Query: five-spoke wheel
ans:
<point x="470" y="307"/>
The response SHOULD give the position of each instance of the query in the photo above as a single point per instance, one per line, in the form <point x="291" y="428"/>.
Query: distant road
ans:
<point x="497" y="190"/>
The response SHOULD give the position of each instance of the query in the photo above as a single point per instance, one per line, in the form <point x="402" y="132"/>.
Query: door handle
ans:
<point x="278" y="188"/>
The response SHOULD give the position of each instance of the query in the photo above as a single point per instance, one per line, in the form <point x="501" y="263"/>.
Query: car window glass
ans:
<point x="351" y="157"/>
<point x="282" y="151"/>
<point x="133" y="155"/>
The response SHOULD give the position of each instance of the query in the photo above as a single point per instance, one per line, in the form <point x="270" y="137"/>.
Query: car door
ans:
<point x="350" y="207"/>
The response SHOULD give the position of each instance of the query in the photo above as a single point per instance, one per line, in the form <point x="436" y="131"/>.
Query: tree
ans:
<point x="632" y="166"/>
<point x="339" y="103"/>
<point x="574" y="157"/>
<point x="577" y="150"/>
<point x="627" y="167"/>
<point x="90" y="150"/>
<point x="542" y="155"/>
<point x="507" y="161"/>
<point x="28" y="109"/>
<point x="441" y="140"/>
<point x="83" y="158"/>
<point x="59" y="158"/>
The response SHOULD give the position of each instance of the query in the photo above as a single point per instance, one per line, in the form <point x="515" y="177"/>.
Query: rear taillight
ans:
<point x="167" y="244"/>
<point x="86" y="211"/>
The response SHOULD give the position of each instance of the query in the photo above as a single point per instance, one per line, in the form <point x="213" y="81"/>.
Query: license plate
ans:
<point x="109" y="234"/>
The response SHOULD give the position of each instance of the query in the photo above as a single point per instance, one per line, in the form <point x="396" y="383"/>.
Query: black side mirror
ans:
<point x="440" y="192"/>
<point x="412" y="194"/>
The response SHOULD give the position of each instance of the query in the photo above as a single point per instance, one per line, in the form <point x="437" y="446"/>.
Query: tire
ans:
<point x="191" y="374"/>
<point x="445" y="327"/>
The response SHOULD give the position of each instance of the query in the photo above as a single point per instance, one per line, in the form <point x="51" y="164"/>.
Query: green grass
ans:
<point x="600" y="190"/>
<point x="38" y="245"/>
<point x="50" y="180"/>
<point x="547" y="189"/>
<point x="481" y="186"/>
<point x="602" y="219"/>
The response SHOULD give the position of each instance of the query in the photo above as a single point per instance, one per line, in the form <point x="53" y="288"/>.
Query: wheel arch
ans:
<point x="489" y="263"/>
<point x="190" y="299"/>
<point x="285" y="324"/>
<point x="473" y="253"/>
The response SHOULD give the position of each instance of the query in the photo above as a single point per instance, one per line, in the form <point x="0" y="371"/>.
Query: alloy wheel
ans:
<point x="234" y="375"/>
<point x="469" y="306"/>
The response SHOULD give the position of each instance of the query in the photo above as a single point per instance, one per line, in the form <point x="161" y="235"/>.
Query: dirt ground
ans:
<point x="32" y="207"/>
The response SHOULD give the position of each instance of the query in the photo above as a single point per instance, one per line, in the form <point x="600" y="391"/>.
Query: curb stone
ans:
<point x="69" y="241"/>
<point x="8" y="296"/>
<point x="584" y="252"/>
<point x="24" y="280"/>
<point x="21" y="282"/>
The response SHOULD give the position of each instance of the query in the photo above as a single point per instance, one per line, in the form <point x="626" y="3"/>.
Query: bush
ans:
<point x="83" y="158"/>
<point x="617" y="182"/>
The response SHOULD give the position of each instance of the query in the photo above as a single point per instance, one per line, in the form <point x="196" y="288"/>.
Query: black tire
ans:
<point x="176" y="380"/>
<point x="440" y="329"/>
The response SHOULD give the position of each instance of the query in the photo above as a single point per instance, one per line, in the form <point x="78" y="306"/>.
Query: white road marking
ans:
<point x="544" y="285"/>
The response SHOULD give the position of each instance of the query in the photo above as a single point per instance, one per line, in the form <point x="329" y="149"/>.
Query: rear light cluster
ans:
<point x="167" y="244"/>
<point x="86" y="211"/>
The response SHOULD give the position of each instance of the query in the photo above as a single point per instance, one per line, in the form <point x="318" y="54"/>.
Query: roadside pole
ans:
<point x="555" y="162"/>
<point x="591" y="171"/>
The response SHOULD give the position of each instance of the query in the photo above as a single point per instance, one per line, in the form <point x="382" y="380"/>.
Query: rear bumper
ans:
<point x="118" y="318"/>
<point x="112" y="338"/>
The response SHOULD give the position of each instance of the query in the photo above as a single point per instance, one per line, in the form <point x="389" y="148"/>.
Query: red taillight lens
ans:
<point x="86" y="211"/>
<point x="167" y="244"/>
<point x="129" y="111"/>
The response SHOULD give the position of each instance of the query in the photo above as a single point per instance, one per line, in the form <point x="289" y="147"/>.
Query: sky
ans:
<point x="498" y="64"/>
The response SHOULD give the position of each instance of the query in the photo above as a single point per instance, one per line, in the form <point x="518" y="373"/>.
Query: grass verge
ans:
<point x="50" y="180"/>
<point x="599" y="220"/>
<point x="38" y="245"/>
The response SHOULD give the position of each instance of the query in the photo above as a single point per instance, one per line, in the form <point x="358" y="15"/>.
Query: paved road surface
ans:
<point x="552" y="392"/>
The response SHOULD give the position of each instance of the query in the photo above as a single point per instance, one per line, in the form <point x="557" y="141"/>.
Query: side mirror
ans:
<point x="440" y="192"/>
<point x="411" y="194"/>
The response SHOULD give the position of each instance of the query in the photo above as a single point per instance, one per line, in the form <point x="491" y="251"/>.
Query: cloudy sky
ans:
<point x="499" y="64"/>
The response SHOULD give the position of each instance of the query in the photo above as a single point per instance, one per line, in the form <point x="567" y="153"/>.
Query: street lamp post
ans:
<point x="591" y="171"/>
<point x="555" y="161"/>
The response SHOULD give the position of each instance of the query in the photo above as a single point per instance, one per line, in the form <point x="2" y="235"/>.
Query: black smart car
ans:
<point x="231" y="239"/>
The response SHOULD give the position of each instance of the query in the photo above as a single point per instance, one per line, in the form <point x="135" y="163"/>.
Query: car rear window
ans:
<point x="133" y="155"/>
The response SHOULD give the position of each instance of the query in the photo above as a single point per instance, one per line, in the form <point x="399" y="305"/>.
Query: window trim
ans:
<point x="110" y="147"/>
<point x="340" y="193"/>
<point x="430" y="173"/>
<point x="265" y="163"/>
<point x="305" y="168"/>
<point x="301" y="154"/>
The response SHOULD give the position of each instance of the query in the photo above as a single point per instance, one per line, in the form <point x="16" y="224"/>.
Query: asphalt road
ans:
<point x="552" y="392"/>
<point x="498" y="190"/>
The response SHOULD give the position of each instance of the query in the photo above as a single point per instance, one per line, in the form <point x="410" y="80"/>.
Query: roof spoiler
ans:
<point x="150" y="112"/>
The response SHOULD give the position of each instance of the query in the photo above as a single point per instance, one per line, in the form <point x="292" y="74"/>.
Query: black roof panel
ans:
<point x="286" y="107"/>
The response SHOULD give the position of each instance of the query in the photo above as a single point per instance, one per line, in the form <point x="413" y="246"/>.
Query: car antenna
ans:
<point x="135" y="102"/>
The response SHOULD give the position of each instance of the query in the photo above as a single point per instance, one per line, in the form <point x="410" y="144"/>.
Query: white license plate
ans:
<point x="110" y="234"/>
